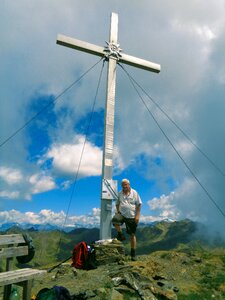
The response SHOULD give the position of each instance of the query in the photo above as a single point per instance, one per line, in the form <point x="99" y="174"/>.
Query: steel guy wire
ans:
<point x="165" y="135"/>
<point x="177" y="126"/>
<point x="47" y="106"/>
<point x="83" y="148"/>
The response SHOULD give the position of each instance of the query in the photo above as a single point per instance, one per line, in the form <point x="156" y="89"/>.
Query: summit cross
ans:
<point x="113" y="54"/>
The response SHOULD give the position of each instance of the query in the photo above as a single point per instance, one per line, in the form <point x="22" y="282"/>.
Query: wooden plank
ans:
<point x="19" y="275"/>
<point x="9" y="248"/>
<point x="10" y="239"/>
<point x="13" y="251"/>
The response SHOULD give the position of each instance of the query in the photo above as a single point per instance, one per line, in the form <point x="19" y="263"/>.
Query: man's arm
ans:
<point x="118" y="204"/>
<point x="137" y="214"/>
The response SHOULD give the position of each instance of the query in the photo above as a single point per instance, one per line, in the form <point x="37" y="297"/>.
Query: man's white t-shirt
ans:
<point x="128" y="203"/>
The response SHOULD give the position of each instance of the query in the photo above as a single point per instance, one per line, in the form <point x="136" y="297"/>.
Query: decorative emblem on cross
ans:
<point x="112" y="50"/>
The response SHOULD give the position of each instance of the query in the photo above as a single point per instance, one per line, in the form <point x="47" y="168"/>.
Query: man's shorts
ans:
<point x="130" y="223"/>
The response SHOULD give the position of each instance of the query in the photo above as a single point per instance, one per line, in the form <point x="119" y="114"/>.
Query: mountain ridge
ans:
<point x="161" y="235"/>
<point x="50" y="227"/>
<point x="175" y="258"/>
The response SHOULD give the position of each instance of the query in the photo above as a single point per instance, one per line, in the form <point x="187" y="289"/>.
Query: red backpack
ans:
<point x="84" y="257"/>
<point x="80" y="255"/>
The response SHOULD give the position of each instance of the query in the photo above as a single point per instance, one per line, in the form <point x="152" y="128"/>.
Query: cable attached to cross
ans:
<point x="110" y="189"/>
<point x="48" y="105"/>
<point x="135" y="84"/>
<point x="82" y="151"/>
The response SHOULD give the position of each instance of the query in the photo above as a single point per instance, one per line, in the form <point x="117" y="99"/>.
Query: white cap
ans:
<point x="125" y="181"/>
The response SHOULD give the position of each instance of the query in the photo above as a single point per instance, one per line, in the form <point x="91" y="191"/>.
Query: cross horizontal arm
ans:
<point x="140" y="63"/>
<point x="80" y="45"/>
<point x="100" y="51"/>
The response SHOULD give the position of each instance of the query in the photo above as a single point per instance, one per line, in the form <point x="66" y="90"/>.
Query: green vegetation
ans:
<point x="193" y="296"/>
<point x="173" y="250"/>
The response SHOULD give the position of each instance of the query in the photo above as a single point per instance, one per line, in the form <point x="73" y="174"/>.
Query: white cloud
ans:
<point x="187" y="201"/>
<point x="150" y="219"/>
<point x="203" y="31"/>
<point x="41" y="183"/>
<point x="16" y="185"/>
<point x="96" y="211"/>
<point x="10" y="175"/>
<point x="43" y="217"/>
<point x="66" y="158"/>
<point x="10" y="194"/>
<point x="46" y="216"/>
<point x="165" y="206"/>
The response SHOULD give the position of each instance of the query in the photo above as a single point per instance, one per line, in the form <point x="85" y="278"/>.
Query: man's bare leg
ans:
<point x="133" y="243"/>
<point x="120" y="235"/>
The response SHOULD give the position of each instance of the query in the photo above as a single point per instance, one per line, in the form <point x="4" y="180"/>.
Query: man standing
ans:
<point x="128" y="206"/>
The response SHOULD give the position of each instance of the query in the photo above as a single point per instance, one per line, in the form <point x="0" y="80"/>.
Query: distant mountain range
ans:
<point x="167" y="248"/>
<point x="54" y="244"/>
<point x="166" y="234"/>
<point x="50" y="227"/>
<point x="42" y="227"/>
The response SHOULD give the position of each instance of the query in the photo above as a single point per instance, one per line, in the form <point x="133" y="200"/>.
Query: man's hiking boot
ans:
<point x="133" y="258"/>
<point x="120" y="236"/>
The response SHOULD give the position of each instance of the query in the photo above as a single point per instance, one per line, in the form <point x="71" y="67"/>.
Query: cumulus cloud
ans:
<point x="47" y="216"/>
<point x="10" y="194"/>
<point x="179" y="204"/>
<point x="164" y="205"/>
<point x="188" y="201"/>
<point x="10" y="176"/>
<point x="17" y="185"/>
<point x="41" y="183"/>
<point x="66" y="158"/>
<point x="42" y="217"/>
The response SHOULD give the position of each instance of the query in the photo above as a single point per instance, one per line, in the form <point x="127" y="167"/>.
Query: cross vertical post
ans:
<point x="107" y="163"/>
<point x="112" y="54"/>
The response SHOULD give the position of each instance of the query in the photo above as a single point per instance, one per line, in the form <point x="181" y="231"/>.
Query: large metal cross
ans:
<point x="113" y="54"/>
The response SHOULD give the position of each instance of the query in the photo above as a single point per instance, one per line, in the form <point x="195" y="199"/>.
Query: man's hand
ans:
<point x="136" y="220"/>
<point x="137" y="216"/>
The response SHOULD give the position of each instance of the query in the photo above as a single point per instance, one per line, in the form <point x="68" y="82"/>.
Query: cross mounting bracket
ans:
<point x="113" y="51"/>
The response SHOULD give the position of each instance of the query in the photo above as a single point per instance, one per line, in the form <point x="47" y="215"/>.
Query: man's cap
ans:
<point x="125" y="181"/>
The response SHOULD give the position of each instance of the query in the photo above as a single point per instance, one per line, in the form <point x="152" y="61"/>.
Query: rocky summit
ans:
<point x="175" y="260"/>
<point x="178" y="274"/>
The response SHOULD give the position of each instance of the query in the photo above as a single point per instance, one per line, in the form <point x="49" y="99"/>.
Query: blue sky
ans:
<point x="38" y="165"/>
